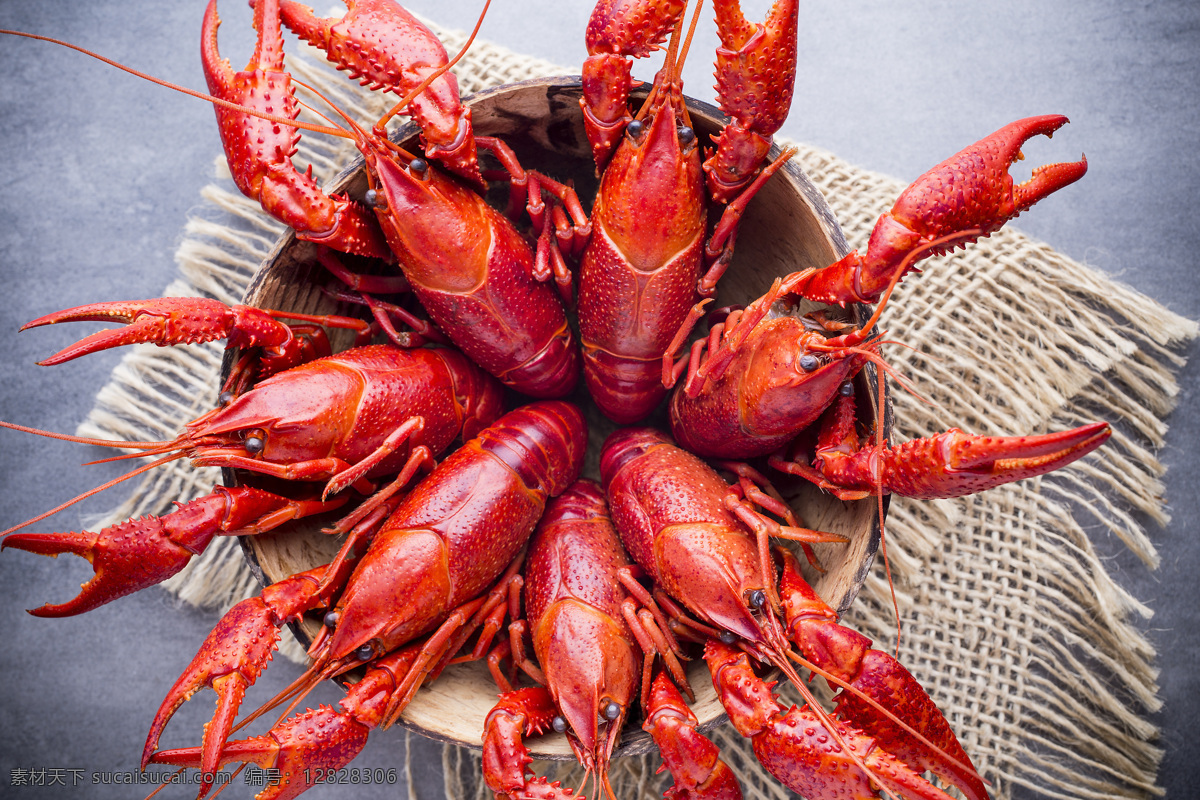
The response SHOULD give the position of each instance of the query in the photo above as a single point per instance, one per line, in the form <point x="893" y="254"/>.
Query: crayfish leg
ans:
<point x="692" y="758"/>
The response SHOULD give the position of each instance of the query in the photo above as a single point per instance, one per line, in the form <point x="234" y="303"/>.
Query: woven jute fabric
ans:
<point x="1008" y="615"/>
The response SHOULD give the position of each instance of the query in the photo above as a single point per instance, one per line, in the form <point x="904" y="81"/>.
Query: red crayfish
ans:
<point x="360" y="414"/>
<point x="651" y="254"/>
<point x="705" y="546"/>
<point x="763" y="375"/>
<point x="589" y="634"/>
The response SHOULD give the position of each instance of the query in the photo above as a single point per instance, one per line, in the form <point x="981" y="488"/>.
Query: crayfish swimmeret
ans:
<point x="623" y="581"/>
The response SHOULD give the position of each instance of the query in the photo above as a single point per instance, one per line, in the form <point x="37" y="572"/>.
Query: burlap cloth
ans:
<point x="1009" y="617"/>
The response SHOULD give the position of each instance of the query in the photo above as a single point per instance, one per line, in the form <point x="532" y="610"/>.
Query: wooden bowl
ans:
<point x="787" y="227"/>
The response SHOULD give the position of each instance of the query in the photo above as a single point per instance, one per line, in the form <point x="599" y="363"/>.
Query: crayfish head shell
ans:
<point x="591" y="672"/>
<point x="665" y="215"/>
<point x="713" y="570"/>
<point x="437" y="226"/>
<point x="400" y="590"/>
<point x="787" y="386"/>
<point x="285" y="419"/>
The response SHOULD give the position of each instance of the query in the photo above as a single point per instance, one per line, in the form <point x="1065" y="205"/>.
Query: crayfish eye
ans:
<point x="635" y="128"/>
<point x="418" y="167"/>
<point x="612" y="710"/>
<point x="757" y="598"/>
<point x="225" y="398"/>
<point x="809" y="362"/>
<point x="255" y="441"/>
<point x="846" y="389"/>
<point x="728" y="637"/>
<point x="331" y="619"/>
<point x="365" y="653"/>
<point x="686" y="135"/>
<point x="559" y="724"/>
<point x="375" y="200"/>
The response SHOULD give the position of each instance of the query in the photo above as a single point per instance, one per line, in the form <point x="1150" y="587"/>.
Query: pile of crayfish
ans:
<point x="585" y="598"/>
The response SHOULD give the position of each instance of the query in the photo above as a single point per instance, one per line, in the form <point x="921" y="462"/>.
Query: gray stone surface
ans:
<point x="99" y="171"/>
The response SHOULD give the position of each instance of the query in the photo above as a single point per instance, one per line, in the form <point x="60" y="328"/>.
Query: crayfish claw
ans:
<point x="304" y="748"/>
<point x="300" y="749"/>
<point x="1046" y="180"/>
<point x="142" y="552"/>
<point x="965" y="198"/>
<point x="230" y="659"/>
<point x="973" y="190"/>
<point x="618" y="30"/>
<point x="693" y="760"/>
<point x="165" y="321"/>
<point x="950" y="464"/>
<point x="755" y="73"/>
<point x="160" y="321"/>
<point x="796" y="749"/>
<point x="809" y="752"/>
<point x="954" y="463"/>
<point x="259" y="151"/>
<point x="886" y="681"/>
<point x="146" y="558"/>
<point x="874" y="688"/>
<point x="382" y="45"/>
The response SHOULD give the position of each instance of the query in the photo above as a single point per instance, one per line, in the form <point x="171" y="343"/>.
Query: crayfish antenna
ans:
<point x="96" y="490"/>
<point x="587" y="773"/>
<point x="608" y="790"/>
<point x="780" y="662"/>
<point x="66" y="437"/>
<point x="151" y="448"/>
<point x="687" y="40"/>
<point x="183" y="89"/>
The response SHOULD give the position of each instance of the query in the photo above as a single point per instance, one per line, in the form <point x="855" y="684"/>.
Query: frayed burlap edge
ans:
<point x="1009" y="617"/>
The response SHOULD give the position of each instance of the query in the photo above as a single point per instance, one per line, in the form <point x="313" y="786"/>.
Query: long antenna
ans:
<point x="66" y="437"/>
<point x="183" y="89"/>
<point x="97" y="490"/>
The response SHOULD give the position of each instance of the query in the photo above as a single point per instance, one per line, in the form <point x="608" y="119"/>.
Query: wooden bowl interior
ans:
<point x="787" y="227"/>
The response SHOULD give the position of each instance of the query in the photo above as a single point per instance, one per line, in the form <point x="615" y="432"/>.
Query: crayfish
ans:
<point x="651" y="253"/>
<point x="435" y="552"/>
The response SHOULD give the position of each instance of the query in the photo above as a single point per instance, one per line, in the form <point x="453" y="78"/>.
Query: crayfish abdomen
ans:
<point x="638" y="276"/>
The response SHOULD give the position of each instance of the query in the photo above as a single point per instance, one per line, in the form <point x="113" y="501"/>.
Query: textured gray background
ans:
<point x="99" y="171"/>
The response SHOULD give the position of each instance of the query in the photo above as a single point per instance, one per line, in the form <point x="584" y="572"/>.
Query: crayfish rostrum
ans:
<point x="433" y="569"/>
